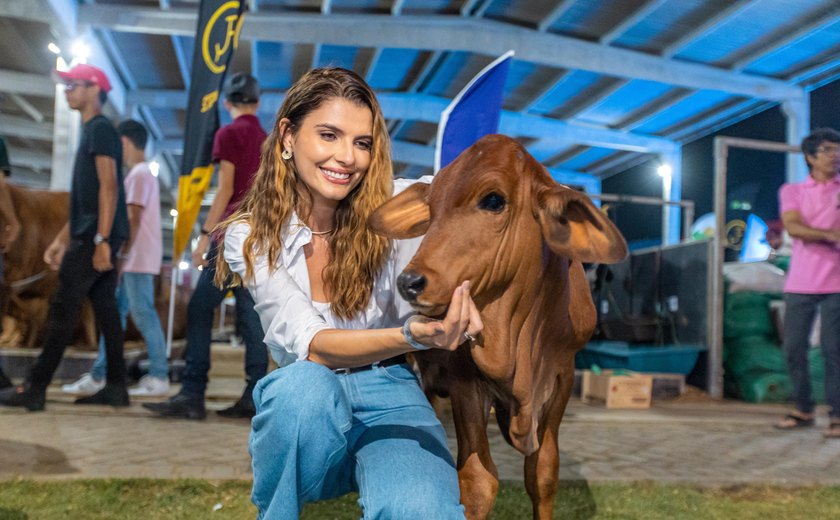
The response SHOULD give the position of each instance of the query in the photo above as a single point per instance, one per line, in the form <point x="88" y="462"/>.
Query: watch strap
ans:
<point x="406" y="330"/>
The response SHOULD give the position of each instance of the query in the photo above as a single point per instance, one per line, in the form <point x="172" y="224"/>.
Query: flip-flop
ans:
<point x="833" y="431"/>
<point x="792" y="422"/>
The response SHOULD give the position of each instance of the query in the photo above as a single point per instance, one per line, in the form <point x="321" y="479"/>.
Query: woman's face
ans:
<point x="332" y="149"/>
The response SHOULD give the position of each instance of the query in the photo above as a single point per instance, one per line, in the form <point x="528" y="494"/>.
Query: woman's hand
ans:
<point x="462" y="319"/>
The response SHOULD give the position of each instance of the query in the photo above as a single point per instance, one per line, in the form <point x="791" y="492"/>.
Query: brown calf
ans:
<point x="495" y="217"/>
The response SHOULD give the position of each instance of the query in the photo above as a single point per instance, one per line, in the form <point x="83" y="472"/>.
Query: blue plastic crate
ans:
<point x="676" y="359"/>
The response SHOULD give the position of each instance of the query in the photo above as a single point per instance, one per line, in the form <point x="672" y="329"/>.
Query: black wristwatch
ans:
<point x="98" y="239"/>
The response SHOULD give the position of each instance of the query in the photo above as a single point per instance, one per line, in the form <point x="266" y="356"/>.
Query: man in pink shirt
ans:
<point x="811" y="214"/>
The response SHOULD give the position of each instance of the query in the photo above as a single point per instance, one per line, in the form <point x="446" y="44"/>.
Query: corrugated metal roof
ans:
<point x="619" y="83"/>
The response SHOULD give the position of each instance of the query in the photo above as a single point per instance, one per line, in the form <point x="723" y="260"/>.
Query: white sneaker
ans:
<point x="149" y="386"/>
<point x="85" y="385"/>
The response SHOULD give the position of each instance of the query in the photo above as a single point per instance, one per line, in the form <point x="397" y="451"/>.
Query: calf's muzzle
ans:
<point x="411" y="285"/>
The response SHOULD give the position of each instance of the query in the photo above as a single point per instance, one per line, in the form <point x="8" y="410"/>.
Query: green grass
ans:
<point x="197" y="499"/>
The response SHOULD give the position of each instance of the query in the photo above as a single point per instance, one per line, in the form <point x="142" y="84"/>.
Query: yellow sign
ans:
<point x="225" y="16"/>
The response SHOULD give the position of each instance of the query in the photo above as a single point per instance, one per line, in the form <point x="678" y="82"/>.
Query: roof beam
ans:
<point x="27" y="107"/>
<point x="816" y="23"/>
<point x="184" y="65"/>
<point x="600" y="96"/>
<point x="421" y="107"/>
<point x="59" y="14"/>
<point x="544" y="91"/>
<point x="34" y="160"/>
<point x="554" y="15"/>
<point x="588" y="99"/>
<point x="630" y="20"/>
<point x="371" y="64"/>
<point x="397" y="7"/>
<point x="650" y="110"/>
<point x="734" y="8"/>
<point x="461" y="33"/>
<point x="21" y="127"/>
<point x="39" y="85"/>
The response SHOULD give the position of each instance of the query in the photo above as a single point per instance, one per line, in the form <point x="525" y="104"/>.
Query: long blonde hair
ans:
<point x="357" y="255"/>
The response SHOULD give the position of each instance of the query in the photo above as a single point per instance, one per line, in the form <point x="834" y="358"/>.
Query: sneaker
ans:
<point x="149" y="386"/>
<point x="85" y="385"/>
<point x="112" y="395"/>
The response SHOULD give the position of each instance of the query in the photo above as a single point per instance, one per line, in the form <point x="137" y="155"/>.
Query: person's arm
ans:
<point x="293" y="325"/>
<point x="55" y="251"/>
<point x="7" y="211"/>
<point x="340" y="348"/>
<point x="135" y="214"/>
<point x="106" y="172"/>
<point x="224" y="193"/>
<point x="792" y="220"/>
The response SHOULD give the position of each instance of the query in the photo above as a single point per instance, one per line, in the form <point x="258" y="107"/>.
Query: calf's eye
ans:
<point x="492" y="202"/>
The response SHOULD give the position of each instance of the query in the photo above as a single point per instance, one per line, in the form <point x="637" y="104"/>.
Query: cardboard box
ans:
<point x="629" y="390"/>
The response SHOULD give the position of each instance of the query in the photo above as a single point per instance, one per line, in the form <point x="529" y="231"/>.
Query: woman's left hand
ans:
<point x="461" y="323"/>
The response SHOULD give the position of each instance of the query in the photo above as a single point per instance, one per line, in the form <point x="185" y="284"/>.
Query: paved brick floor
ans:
<point x="701" y="442"/>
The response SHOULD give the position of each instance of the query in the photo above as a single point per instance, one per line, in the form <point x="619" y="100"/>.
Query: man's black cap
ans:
<point x="242" y="88"/>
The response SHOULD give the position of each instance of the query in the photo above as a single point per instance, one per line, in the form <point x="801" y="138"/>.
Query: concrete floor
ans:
<point x="689" y="440"/>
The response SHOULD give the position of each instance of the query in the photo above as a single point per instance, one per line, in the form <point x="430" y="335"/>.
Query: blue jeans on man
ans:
<point x="136" y="295"/>
<point x="200" y="316"/>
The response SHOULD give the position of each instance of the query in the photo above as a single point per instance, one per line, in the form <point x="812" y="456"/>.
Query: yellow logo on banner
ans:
<point x="209" y="101"/>
<point x="225" y="16"/>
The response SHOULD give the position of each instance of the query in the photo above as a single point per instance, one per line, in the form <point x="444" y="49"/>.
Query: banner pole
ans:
<point x="169" y="327"/>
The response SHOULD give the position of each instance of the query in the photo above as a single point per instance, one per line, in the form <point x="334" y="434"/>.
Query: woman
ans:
<point x="345" y="412"/>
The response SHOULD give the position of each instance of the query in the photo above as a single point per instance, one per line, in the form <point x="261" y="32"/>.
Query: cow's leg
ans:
<point x="542" y="466"/>
<point x="477" y="475"/>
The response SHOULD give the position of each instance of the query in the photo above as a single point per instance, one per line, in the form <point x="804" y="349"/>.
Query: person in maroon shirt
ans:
<point x="236" y="149"/>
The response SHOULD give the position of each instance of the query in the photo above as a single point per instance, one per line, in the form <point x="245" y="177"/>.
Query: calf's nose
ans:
<point x="411" y="285"/>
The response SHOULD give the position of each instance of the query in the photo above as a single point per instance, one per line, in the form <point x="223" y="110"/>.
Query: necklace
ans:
<point x="322" y="232"/>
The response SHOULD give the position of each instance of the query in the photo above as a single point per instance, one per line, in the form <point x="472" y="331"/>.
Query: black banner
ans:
<point x="216" y="38"/>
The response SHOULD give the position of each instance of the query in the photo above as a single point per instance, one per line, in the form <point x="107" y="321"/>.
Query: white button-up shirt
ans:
<point x="283" y="297"/>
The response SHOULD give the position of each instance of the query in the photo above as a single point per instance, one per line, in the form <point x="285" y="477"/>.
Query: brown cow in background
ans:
<point x="29" y="283"/>
<point x="496" y="218"/>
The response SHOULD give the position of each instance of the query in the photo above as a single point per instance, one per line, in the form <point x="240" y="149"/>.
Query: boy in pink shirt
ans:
<point x="811" y="214"/>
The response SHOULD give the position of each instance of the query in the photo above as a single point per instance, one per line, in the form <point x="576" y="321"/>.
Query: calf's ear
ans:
<point x="404" y="216"/>
<point x="573" y="227"/>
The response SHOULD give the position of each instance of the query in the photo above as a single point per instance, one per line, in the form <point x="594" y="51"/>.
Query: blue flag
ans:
<point x="474" y="113"/>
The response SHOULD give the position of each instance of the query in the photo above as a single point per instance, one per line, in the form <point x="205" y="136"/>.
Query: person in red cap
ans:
<point x="85" y="250"/>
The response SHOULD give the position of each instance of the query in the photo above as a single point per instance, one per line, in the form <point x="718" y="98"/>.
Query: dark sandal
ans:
<point x="792" y="422"/>
<point x="833" y="431"/>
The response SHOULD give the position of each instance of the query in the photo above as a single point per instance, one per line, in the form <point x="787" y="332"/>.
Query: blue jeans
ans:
<point x="800" y="310"/>
<point x="136" y="295"/>
<point x="200" y="313"/>
<point x="318" y="435"/>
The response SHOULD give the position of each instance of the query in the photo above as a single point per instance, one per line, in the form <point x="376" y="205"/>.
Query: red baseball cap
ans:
<point x="85" y="72"/>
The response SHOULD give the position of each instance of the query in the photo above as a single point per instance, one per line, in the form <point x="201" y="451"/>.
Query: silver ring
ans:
<point x="468" y="336"/>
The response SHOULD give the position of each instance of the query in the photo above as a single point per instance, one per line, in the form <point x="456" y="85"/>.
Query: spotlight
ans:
<point x="664" y="170"/>
<point x="183" y="265"/>
<point x="54" y="48"/>
<point x="173" y="212"/>
<point x="80" y="51"/>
